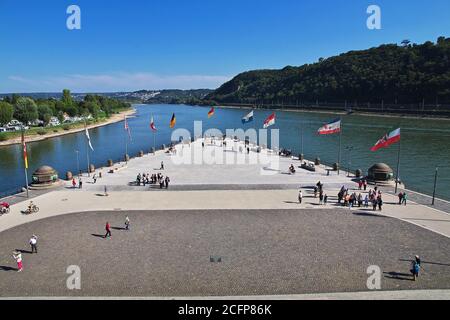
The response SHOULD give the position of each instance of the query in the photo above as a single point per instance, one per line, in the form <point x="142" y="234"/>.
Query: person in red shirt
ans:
<point x="74" y="183"/>
<point x="108" y="230"/>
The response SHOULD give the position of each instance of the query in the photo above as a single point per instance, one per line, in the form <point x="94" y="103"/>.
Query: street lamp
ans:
<point x="349" y="149"/>
<point x="78" y="163"/>
<point x="435" y="182"/>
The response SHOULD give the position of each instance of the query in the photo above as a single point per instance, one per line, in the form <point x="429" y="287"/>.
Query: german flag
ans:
<point x="211" y="112"/>
<point x="25" y="156"/>
<point x="173" y="121"/>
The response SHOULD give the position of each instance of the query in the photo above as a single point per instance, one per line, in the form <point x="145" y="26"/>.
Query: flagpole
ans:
<point x="398" y="165"/>
<point x="126" y="140"/>
<point x="87" y="150"/>
<point x="301" y="128"/>
<point x="25" y="161"/>
<point x="340" y="145"/>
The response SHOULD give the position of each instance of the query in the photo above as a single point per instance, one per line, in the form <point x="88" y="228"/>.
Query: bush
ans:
<point x="3" y="137"/>
<point x="66" y="127"/>
<point x="55" y="130"/>
<point x="41" y="132"/>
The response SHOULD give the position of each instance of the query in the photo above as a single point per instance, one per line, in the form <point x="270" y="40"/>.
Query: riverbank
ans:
<point x="336" y="112"/>
<point x="76" y="128"/>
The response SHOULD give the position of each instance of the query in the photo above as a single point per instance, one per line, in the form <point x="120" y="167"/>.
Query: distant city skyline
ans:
<point x="154" y="45"/>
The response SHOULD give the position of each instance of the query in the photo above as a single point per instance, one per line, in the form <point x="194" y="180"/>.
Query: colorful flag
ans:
<point x="330" y="128"/>
<point x="270" y="121"/>
<point x="387" y="140"/>
<point x="25" y="157"/>
<point x="152" y="124"/>
<point x="89" y="139"/>
<point x="248" y="118"/>
<point x="211" y="112"/>
<point x="173" y="121"/>
<point x="127" y="128"/>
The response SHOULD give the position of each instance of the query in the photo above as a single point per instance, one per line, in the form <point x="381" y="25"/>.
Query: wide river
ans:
<point x="425" y="143"/>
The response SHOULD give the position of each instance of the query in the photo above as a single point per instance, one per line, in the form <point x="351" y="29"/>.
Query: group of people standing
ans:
<point x="156" y="178"/>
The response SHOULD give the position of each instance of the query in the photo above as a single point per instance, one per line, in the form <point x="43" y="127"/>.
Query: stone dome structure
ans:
<point x="44" y="176"/>
<point x="380" y="172"/>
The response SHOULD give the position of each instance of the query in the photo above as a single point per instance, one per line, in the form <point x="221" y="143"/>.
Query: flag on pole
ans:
<point x="248" y="118"/>
<point x="330" y="128"/>
<point x="25" y="156"/>
<point x="127" y="128"/>
<point x="387" y="140"/>
<point x="89" y="139"/>
<point x="211" y="112"/>
<point x="152" y="124"/>
<point x="270" y="121"/>
<point x="173" y="121"/>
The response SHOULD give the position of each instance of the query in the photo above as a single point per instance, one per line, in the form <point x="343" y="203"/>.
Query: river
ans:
<point x="425" y="143"/>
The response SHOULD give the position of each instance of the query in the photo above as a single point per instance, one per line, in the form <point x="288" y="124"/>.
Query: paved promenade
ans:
<point x="263" y="252"/>
<point x="247" y="213"/>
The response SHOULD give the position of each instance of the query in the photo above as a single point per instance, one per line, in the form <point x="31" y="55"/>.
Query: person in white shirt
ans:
<point x="300" y="196"/>
<point x="33" y="244"/>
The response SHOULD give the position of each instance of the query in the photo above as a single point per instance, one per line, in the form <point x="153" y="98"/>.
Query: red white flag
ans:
<point x="127" y="128"/>
<point x="387" y="140"/>
<point x="330" y="128"/>
<point x="152" y="124"/>
<point x="270" y="121"/>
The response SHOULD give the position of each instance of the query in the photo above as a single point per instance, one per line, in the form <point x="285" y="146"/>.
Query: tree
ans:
<point x="67" y="98"/>
<point x="6" y="112"/>
<point x="25" y="110"/>
<point x="45" y="113"/>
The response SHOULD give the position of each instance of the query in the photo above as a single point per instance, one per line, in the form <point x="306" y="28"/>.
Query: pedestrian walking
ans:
<point x="108" y="230"/>
<point x="325" y="199"/>
<point x="94" y="177"/>
<point x="380" y="203"/>
<point x="300" y="196"/>
<point x="404" y="198"/>
<point x="74" y="183"/>
<point x="415" y="270"/>
<point x="33" y="244"/>
<point x="18" y="257"/>
<point x="106" y="191"/>
<point x="80" y="183"/>
<point x="162" y="165"/>
<point x="166" y="182"/>
<point x="400" y="198"/>
<point x="127" y="223"/>
<point x="321" y="198"/>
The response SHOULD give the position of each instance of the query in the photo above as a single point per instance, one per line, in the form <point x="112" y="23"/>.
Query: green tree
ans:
<point x="6" y="112"/>
<point x="67" y="98"/>
<point x="45" y="113"/>
<point x="25" y="110"/>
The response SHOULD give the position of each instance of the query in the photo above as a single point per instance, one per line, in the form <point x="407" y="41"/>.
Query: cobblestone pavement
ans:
<point x="263" y="252"/>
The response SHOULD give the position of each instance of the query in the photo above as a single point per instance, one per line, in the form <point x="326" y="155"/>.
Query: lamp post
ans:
<point x="78" y="163"/>
<point x="349" y="149"/>
<point x="435" y="182"/>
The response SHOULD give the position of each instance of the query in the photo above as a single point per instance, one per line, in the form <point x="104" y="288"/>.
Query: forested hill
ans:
<point x="405" y="73"/>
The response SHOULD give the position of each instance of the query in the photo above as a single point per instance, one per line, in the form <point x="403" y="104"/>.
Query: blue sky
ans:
<point x="155" y="44"/>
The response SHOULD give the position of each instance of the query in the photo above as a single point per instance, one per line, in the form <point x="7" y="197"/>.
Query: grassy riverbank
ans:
<point x="41" y="133"/>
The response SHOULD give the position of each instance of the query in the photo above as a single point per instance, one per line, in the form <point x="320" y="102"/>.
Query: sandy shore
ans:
<point x="113" y="119"/>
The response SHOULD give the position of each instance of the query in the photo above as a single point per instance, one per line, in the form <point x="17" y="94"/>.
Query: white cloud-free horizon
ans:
<point x="112" y="82"/>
